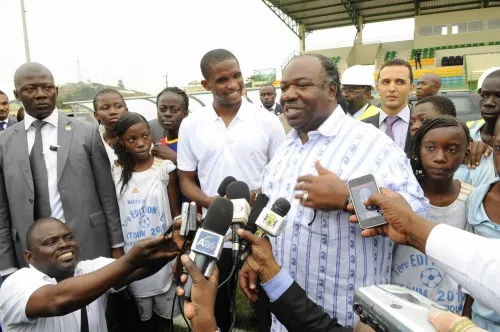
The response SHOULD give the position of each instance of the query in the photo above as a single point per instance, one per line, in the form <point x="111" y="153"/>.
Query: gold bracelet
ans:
<point x="461" y="325"/>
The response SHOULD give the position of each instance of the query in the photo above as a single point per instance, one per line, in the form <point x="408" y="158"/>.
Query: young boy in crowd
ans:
<point x="172" y="106"/>
<point x="484" y="203"/>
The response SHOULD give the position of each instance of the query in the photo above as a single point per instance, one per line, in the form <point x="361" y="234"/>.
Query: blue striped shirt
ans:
<point x="329" y="258"/>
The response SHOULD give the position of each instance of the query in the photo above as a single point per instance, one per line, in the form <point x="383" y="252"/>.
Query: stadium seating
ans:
<point x="335" y="59"/>
<point x="389" y="55"/>
<point x="450" y="68"/>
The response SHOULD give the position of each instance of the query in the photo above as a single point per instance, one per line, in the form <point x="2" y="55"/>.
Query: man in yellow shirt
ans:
<point x="357" y="84"/>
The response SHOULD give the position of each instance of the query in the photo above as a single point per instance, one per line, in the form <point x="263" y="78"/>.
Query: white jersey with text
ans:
<point x="145" y="212"/>
<point x="414" y="270"/>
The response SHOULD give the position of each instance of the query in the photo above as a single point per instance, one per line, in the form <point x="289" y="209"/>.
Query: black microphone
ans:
<point x="239" y="194"/>
<point x="258" y="205"/>
<point x="271" y="221"/>
<point x="209" y="240"/>
<point x="223" y="185"/>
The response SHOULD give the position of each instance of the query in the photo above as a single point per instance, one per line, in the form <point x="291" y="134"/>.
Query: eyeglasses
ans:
<point x="350" y="90"/>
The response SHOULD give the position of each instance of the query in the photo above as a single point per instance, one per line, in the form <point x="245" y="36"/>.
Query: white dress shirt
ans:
<point x="272" y="109"/>
<point x="321" y="250"/>
<point x="474" y="266"/>
<point x="49" y="137"/>
<point x="18" y="288"/>
<point x="110" y="151"/>
<point x="399" y="128"/>
<point x="359" y="113"/>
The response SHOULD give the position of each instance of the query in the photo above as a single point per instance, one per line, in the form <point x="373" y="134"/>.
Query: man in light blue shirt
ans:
<point x="318" y="248"/>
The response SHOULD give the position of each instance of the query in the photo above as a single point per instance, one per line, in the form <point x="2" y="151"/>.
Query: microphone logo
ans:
<point x="238" y="208"/>
<point x="270" y="220"/>
<point x="207" y="243"/>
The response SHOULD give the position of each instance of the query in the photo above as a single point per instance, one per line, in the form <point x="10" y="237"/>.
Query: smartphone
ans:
<point x="361" y="189"/>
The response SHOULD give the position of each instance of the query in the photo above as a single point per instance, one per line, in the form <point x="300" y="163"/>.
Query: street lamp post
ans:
<point x="25" y="30"/>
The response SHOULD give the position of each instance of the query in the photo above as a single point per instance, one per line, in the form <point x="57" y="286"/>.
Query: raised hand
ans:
<point x="325" y="191"/>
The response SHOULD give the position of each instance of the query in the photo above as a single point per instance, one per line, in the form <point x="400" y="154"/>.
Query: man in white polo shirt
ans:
<point x="57" y="293"/>
<point x="231" y="137"/>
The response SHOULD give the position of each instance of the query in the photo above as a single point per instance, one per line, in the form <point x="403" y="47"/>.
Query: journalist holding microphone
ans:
<point x="289" y="302"/>
<point x="474" y="267"/>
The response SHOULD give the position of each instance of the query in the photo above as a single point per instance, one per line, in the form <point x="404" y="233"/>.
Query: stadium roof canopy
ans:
<point x="311" y="15"/>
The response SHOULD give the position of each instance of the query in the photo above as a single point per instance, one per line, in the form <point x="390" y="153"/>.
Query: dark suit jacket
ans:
<point x="11" y="122"/>
<point x="374" y="120"/>
<point x="298" y="313"/>
<point x="85" y="184"/>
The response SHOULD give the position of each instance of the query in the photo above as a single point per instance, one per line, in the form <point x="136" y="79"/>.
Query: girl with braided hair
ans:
<point x="439" y="148"/>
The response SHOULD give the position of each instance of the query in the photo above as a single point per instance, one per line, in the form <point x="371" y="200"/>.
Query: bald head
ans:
<point x="31" y="69"/>
<point x="428" y="85"/>
<point x="36" y="90"/>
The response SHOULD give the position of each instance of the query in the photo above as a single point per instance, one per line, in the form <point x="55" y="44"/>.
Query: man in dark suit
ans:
<point x="5" y="121"/>
<point x="268" y="99"/>
<point x="394" y="86"/>
<point x="52" y="165"/>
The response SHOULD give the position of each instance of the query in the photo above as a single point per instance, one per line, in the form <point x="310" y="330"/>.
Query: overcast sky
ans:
<point x="140" y="41"/>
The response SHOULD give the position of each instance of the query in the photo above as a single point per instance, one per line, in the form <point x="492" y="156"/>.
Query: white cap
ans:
<point x="483" y="76"/>
<point x="358" y="75"/>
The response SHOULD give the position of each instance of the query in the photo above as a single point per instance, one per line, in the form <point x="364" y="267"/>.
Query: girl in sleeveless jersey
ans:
<point x="148" y="197"/>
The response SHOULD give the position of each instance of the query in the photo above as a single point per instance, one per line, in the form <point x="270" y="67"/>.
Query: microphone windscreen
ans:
<point x="281" y="206"/>
<point x="237" y="190"/>
<point x="223" y="185"/>
<point x="219" y="216"/>
<point x="258" y="205"/>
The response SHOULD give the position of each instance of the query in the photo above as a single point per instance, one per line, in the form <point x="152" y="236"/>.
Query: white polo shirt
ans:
<point x="17" y="289"/>
<point x="241" y="150"/>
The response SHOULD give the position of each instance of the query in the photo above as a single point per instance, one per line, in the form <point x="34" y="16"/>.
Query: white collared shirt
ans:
<point x="272" y="109"/>
<point x="321" y="250"/>
<point x="110" y="151"/>
<point x="18" y="288"/>
<point x="241" y="150"/>
<point x="49" y="137"/>
<point x="400" y="128"/>
<point x="359" y="113"/>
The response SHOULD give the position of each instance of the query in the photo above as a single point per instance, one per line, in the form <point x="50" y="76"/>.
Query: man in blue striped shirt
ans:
<point x="320" y="250"/>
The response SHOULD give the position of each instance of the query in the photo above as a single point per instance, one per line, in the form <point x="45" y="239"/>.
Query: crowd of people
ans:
<point x="84" y="211"/>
